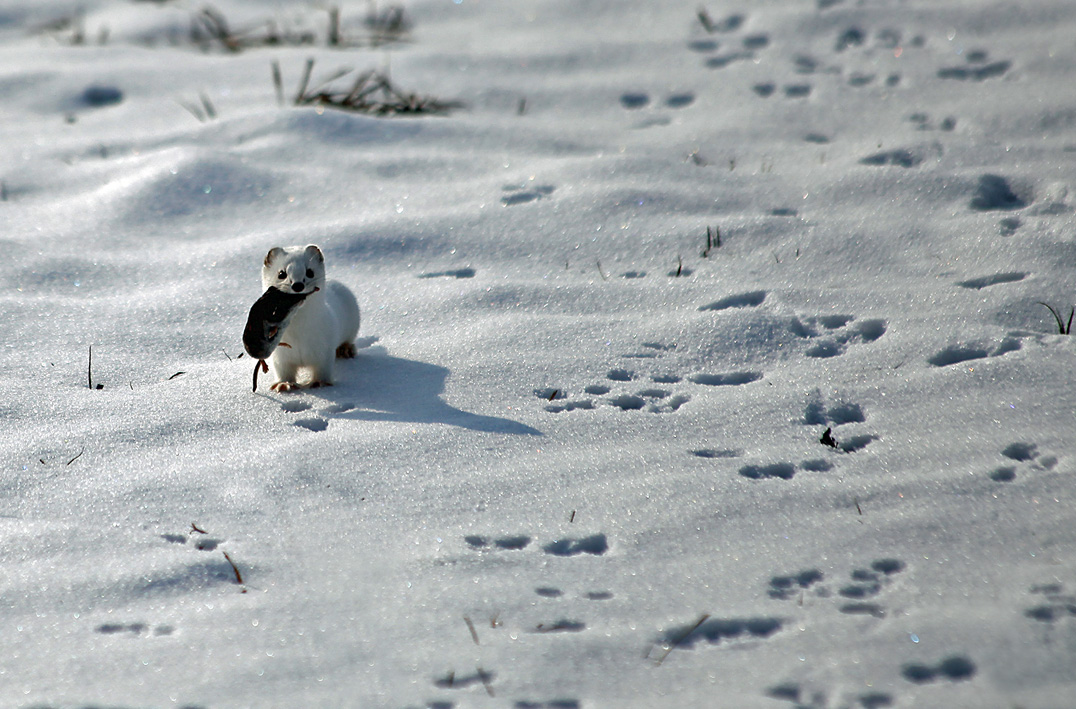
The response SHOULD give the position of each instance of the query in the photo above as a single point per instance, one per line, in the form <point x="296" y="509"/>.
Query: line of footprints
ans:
<point x="826" y="336"/>
<point x="207" y="571"/>
<point x="857" y="596"/>
<point x="592" y="545"/>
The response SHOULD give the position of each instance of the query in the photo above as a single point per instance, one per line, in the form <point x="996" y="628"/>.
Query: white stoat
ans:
<point x="323" y="326"/>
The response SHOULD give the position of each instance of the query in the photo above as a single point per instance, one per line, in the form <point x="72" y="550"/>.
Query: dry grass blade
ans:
<point x="76" y="457"/>
<point x="278" y="83"/>
<point x="210" y="110"/>
<point x="470" y="626"/>
<point x="333" y="38"/>
<point x="372" y="93"/>
<point x="341" y="72"/>
<point x="682" y="637"/>
<point x="300" y="96"/>
<point x="213" y="22"/>
<point x="235" y="570"/>
<point x="1063" y="328"/>
<point x="361" y="88"/>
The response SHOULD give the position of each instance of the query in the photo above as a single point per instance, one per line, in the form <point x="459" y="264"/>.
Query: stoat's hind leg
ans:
<point x="346" y="351"/>
<point x="321" y="372"/>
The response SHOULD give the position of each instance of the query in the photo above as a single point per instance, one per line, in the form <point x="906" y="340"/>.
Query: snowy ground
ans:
<point x="577" y="463"/>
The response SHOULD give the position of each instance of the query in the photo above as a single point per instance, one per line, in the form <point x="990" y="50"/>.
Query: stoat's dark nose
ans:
<point x="298" y="287"/>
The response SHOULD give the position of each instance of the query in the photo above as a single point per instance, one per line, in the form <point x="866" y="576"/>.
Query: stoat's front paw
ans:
<point x="346" y="351"/>
<point x="284" y="386"/>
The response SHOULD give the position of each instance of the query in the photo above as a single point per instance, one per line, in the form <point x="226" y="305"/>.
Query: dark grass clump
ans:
<point x="372" y="93"/>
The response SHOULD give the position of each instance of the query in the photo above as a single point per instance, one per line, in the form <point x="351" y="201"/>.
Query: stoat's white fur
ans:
<point x="324" y="325"/>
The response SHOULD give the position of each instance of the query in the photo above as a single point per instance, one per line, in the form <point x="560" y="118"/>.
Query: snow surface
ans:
<point x="576" y="463"/>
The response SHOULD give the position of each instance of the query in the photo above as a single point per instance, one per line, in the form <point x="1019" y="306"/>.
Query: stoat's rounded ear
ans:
<point x="313" y="251"/>
<point x="273" y="253"/>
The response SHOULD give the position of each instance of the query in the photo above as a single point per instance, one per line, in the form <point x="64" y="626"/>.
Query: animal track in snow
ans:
<point x="792" y="91"/>
<point x="719" y="630"/>
<point x="334" y="409"/>
<point x="922" y="121"/>
<point x="992" y="280"/>
<point x="784" y="471"/>
<point x="833" y="333"/>
<point x="452" y="681"/>
<point x="596" y="544"/>
<point x="583" y="404"/>
<point x="703" y="45"/>
<point x="1009" y="225"/>
<point x="954" y="668"/>
<point x="750" y="299"/>
<point x="730" y="379"/>
<point x="681" y="100"/>
<point x="856" y="443"/>
<point x="720" y="62"/>
<point x="864" y="583"/>
<point x="513" y="543"/>
<point x="651" y="350"/>
<point x="521" y="194"/>
<point x="456" y="273"/>
<point x="817" y="414"/>
<point x="715" y="453"/>
<point x="551" y="704"/>
<point x="765" y="90"/>
<point x="1022" y="453"/>
<point x="654" y="399"/>
<point x="958" y="354"/>
<point x="1058" y="605"/>
<point x="312" y="424"/>
<point x="794" y="692"/>
<point x="730" y="23"/>
<point x="202" y="542"/>
<point x="898" y="158"/>
<point x="134" y="629"/>
<point x="994" y="193"/>
<point x="784" y="587"/>
<point x="561" y="626"/>
<point x="977" y="69"/>
<point x="636" y="101"/>
<point x="867" y="583"/>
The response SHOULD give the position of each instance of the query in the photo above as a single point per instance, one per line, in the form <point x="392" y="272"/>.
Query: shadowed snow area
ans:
<point x="707" y="350"/>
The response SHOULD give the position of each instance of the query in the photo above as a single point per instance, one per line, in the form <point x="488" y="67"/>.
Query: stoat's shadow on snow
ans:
<point x="387" y="388"/>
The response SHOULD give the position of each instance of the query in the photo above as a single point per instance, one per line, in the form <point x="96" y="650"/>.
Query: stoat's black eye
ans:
<point x="282" y="275"/>
<point x="309" y="273"/>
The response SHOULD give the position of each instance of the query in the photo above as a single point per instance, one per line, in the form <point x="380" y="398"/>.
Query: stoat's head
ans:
<point x="294" y="269"/>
